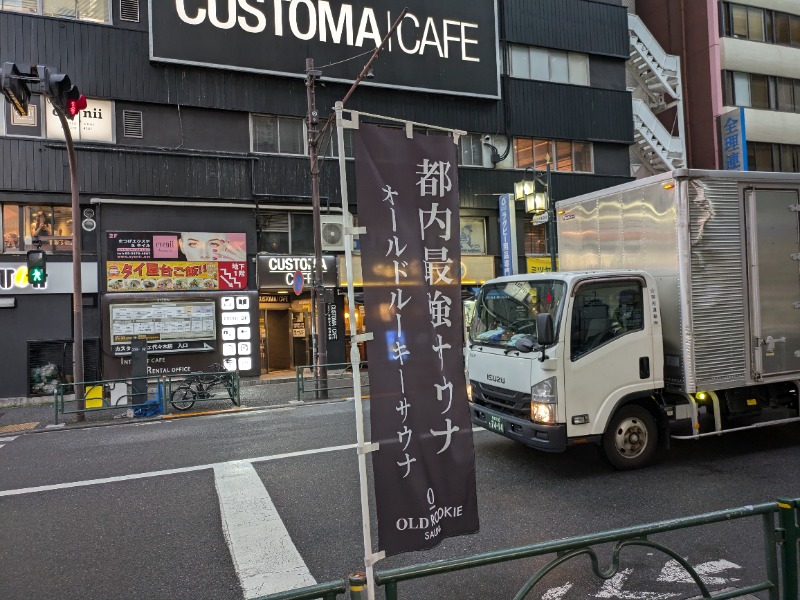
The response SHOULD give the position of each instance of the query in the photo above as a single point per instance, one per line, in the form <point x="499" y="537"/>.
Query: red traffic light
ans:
<point x="74" y="106"/>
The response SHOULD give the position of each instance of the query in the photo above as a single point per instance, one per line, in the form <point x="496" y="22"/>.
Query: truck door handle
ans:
<point x="644" y="367"/>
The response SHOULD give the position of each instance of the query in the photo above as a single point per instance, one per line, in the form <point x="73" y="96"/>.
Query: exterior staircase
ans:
<point x="654" y="80"/>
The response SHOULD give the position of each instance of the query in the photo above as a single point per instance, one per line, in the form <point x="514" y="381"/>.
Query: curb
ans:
<point x="170" y="417"/>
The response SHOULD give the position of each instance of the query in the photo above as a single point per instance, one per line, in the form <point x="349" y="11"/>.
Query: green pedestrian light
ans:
<point x="37" y="268"/>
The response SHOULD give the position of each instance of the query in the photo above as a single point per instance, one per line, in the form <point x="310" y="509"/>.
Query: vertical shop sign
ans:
<point x="424" y="470"/>
<point x="508" y="240"/>
<point x="334" y="325"/>
<point x="733" y="143"/>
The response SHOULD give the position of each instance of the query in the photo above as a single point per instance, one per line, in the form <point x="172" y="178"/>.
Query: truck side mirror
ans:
<point x="544" y="329"/>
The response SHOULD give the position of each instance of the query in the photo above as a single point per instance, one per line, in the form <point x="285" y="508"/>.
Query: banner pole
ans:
<point x="355" y="362"/>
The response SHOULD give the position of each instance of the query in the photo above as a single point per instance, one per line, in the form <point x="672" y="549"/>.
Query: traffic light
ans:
<point x="15" y="89"/>
<point x="37" y="268"/>
<point x="61" y="92"/>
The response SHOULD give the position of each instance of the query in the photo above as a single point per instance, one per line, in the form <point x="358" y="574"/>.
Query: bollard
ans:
<point x="788" y="524"/>
<point x="358" y="585"/>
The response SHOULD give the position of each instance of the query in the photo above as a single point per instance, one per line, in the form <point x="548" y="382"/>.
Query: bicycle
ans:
<point x="200" y="386"/>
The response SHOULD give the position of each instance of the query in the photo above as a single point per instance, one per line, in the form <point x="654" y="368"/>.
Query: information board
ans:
<point x="167" y="326"/>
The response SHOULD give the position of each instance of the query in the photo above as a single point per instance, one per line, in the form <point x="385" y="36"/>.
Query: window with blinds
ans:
<point x="85" y="10"/>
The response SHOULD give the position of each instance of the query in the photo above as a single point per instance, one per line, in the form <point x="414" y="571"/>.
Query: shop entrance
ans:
<point x="279" y="346"/>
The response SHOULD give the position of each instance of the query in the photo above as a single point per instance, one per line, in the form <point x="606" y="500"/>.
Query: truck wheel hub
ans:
<point x="631" y="437"/>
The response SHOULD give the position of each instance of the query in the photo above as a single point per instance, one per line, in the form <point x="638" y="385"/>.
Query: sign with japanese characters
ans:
<point x="733" y="143"/>
<point x="508" y="231"/>
<point x="187" y="332"/>
<point x="167" y="326"/>
<point x="166" y="261"/>
<point x="447" y="46"/>
<point x="424" y="470"/>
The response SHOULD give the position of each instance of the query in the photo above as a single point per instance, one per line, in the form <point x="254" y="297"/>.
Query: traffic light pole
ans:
<point x="77" y="288"/>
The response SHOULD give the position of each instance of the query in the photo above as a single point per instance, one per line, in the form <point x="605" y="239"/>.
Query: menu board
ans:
<point x="167" y="326"/>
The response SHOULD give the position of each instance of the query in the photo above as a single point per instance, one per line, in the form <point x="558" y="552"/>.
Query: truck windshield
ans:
<point x="505" y="312"/>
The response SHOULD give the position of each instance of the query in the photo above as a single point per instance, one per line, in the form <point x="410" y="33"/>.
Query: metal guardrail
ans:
<point x="340" y="377"/>
<point x="99" y="395"/>
<point x="104" y="395"/>
<point x="780" y="552"/>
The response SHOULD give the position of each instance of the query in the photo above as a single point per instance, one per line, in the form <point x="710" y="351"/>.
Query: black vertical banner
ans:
<point x="424" y="470"/>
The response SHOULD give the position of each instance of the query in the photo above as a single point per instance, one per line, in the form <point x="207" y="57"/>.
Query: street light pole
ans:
<point x="551" y="221"/>
<point x="321" y="359"/>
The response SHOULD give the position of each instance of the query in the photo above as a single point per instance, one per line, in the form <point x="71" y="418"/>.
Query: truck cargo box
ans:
<point x="724" y="248"/>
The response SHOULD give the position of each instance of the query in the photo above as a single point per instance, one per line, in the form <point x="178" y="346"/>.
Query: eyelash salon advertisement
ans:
<point x="175" y="261"/>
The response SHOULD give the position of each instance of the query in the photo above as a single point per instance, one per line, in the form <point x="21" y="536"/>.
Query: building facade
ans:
<point x="740" y="61"/>
<point x="193" y="166"/>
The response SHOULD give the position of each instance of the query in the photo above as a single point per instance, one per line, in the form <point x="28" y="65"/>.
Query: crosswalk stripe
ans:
<point x="265" y="558"/>
<point x="104" y="480"/>
<point x="8" y="439"/>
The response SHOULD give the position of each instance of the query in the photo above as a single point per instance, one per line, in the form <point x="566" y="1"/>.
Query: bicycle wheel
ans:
<point x="183" y="398"/>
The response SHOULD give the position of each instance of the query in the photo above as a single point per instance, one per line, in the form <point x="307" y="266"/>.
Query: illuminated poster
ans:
<point x="424" y="469"/>
<point x="172" y="261"/>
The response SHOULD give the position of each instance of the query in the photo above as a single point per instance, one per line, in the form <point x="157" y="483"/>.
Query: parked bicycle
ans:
<point x="201" y="386"/>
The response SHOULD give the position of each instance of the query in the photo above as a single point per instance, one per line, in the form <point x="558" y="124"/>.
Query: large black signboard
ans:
<point x="183" y="332"/>
<point x="424" y="470"/>
<point x="447" y="46"/>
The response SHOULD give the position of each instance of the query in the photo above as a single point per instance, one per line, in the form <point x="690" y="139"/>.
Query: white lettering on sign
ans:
<point x="316" y="19"/>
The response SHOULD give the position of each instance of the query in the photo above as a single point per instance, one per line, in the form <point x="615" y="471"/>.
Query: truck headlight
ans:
<point x="543" y="401"/>
<point x="543" y="413"/>
<point x="469" y="391"/>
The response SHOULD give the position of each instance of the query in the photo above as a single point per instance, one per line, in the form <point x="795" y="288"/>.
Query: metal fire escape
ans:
<point x="654" y="80"/>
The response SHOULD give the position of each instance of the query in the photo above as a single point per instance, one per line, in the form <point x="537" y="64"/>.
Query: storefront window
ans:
<point x="11" y="237"/>
<point x="24" y="224"/>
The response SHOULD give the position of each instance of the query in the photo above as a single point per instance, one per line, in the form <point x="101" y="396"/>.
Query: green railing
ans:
<point x="340" y="377"/>
<point x="780" y="543"/>
<point x="102" y="396"/>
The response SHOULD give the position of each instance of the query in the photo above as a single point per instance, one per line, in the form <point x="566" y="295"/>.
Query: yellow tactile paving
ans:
<point x="18" y="427"/>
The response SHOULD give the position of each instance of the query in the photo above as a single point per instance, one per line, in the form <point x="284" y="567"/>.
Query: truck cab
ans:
<point x="556" y="359"/>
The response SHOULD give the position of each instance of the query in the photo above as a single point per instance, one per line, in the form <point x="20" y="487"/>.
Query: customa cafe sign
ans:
<point x="277" y="272"/>
<point x="447" y="46"/>
<point x="14" y="279"/>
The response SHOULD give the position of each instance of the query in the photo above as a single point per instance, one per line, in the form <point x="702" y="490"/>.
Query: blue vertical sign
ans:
<point x="733" y="142"/>
<point x="508" y="238"/>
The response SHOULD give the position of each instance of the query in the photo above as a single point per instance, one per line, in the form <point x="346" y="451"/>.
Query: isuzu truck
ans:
<point x="675" y="314"/>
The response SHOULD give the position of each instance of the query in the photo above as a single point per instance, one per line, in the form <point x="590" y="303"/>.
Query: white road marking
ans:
<point x="265" y="558"/>
<point x="88" y="482"/>
<point x="55" y="426"/>
<point x="612" y="588"/>
<point x="673" y="572"/>
<point x="8" y="439"/>
<point x="557" y="593"/>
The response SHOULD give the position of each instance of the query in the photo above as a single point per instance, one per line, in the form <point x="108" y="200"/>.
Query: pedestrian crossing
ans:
<point x="5" y="440"/>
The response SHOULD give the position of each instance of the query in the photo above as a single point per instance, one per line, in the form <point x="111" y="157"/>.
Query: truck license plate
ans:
<point x="495" y="423"/>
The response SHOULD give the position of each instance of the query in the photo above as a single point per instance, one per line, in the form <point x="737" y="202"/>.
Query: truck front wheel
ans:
<point x="631" y="438"/>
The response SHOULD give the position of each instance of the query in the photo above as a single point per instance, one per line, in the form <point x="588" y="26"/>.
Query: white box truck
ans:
<point x="676" y="315"/>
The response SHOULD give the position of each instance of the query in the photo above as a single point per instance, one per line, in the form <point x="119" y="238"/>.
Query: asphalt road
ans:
<point x="162" y="535"/>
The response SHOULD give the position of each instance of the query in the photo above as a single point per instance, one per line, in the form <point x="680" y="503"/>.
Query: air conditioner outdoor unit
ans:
<point x="332" y="229"/>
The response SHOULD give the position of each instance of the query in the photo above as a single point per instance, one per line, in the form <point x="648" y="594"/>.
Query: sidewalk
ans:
<point x="279" y="388"/>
